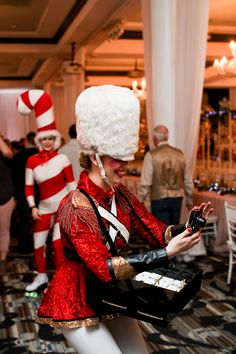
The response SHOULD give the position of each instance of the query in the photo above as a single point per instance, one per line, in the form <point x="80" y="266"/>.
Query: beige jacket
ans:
<point x="165" y="172"/>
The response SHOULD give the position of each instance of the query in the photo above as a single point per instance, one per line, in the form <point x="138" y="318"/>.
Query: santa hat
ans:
<point x="108" y="121"/>
<point x="41" y="102"/>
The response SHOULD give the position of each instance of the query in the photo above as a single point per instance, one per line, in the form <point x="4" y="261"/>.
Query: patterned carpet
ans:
<point x="206" y="325"/>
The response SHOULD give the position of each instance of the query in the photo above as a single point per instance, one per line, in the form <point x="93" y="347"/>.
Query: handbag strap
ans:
<point x="140" y="219"/>
<point x="106" y="233"/>
<point x="115" y="224"/>
<point x="101" y="223"/>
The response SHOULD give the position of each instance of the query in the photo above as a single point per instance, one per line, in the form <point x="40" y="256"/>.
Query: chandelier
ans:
<point x="72" y="66"/>
<point x="225" y="66"/>
<point x="139" y="84"/>
<point x="139" y="88"/>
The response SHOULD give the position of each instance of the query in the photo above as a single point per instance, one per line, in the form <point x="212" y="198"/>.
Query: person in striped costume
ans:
<point x="54" y="176"/>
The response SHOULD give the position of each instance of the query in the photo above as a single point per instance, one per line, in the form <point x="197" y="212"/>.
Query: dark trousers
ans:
<point x="167" y="210"/>
<point x="25" y="226"/>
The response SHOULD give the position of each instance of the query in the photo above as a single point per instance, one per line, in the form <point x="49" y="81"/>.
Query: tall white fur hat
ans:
<point x="108" y="121"/>
<point x="41" y="102"/>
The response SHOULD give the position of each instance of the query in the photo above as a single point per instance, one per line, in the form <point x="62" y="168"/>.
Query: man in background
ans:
<point x="165" y="176"/>
<point x="71" y="150"/>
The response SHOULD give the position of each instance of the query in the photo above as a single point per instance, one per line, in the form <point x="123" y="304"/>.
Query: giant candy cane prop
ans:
<point x="41" y="103"/>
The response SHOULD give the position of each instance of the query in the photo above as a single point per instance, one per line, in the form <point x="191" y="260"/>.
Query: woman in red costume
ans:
<point x="54" y="176"/>
<point x="108" y="125"/>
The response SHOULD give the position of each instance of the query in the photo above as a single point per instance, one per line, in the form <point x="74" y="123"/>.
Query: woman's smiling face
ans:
<point x="115" y="169"/>
<point x="47" y="143"/>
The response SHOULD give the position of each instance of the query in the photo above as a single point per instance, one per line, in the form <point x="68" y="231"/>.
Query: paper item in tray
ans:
<point x="160" y="281"/>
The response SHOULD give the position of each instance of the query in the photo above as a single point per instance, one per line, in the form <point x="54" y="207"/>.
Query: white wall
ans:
<point x="13" y="126"/>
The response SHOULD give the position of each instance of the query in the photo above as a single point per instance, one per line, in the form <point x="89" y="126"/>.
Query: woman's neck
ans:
<point x="97" y="179"/>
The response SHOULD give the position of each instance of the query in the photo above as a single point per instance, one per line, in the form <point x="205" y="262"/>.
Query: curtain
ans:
<point x="57" y="95"/>
<point x="175" y="39"/>
<point x="14" y="126"/>
<point x="191" y="42"/>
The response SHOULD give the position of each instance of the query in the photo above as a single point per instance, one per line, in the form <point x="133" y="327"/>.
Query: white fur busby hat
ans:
<point x="41" y="102"/>
<point x="108" y="121"/>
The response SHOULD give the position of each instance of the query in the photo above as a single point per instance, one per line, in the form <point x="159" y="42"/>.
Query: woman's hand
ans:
<point x="198" y="216"/>
<point x="5" y="149"/>
<point x="205" y="208"/>
<point x="36" y="213"/>
<point x="182" y="242"/>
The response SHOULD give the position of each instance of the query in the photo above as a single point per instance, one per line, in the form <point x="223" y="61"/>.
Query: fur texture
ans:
<point x="108" y="121"/>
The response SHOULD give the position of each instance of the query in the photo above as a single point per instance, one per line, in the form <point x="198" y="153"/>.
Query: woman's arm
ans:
<point x="68" y="173"/>
<point x="158" y="257"/>
<point x="29" y="183"/>
<point x="80" y="232"/>
<point x="78" y="222"/>
<point x="145" y="224"/>
<point x="170" y="241"/>
<point x="5" y="149"/>
<point x="124" y="267"/>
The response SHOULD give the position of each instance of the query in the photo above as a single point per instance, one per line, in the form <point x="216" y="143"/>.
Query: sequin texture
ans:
<point x="66" y="300"/>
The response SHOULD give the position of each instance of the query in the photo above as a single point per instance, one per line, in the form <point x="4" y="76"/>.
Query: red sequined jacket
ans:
<point x="65" y="303"/>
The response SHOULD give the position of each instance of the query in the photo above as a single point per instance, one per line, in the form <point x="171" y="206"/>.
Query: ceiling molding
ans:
<point x="129" y="34"/>
<point x="28" y="77"/>
<point x="106" y="73"/>
<point x="221" y="37"/>
<point x="34" y="51"/>
<point x="76" y="8"/>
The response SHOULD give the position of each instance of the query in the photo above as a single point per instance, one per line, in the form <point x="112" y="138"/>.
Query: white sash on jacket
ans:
<point x="116" y="227"/>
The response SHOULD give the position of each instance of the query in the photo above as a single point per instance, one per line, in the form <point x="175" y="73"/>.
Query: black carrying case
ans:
<point x="150" y="303"/>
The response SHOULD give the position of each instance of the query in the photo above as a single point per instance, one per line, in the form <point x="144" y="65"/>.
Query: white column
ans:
<point x="158" y="21"/>
<point x="73" y="85"/>
<point x="57" y="94"/>
<point x="175" y="37"/>
<point x="191" y="42"/>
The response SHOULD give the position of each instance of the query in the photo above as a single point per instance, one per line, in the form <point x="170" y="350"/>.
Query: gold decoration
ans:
<point x="122" y="269"/>
<point x="143" y="133"/>
<point x="87" y="322"/>
<point x="168" y="234"/>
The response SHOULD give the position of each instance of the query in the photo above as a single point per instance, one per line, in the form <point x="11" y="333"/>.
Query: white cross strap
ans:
<point x="118" y="226"/>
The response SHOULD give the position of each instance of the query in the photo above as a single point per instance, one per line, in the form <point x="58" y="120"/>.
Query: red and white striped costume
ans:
<point x="54" y="176"/>
<point x="51" y="171"/>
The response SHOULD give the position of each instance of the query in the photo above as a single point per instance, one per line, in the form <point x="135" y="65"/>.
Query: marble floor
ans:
<point x="206" y="325"/>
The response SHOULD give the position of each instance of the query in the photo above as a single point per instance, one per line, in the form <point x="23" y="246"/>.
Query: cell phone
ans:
<point x="196" y="221"/>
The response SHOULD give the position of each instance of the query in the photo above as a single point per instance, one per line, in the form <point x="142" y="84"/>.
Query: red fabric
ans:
<point x="40" y="259"/>
<point x="68" y="174"/>
<point x="41" y="168"/>
<point x="43" y="223"/>
<point x="40" y="159"/>
<point x="58" y="252"/>
<point x="26" y="100"/>
<point x="43" y="104"/>
<point x="29" y="190"/>
<point x="52" y="185"/>
<point x="51" y="126"/>
<point x="66" y="298"/>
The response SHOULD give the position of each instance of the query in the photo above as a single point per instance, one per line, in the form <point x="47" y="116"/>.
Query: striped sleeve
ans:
<point x="29" y="185"/>
<point x="68" y="174"/>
